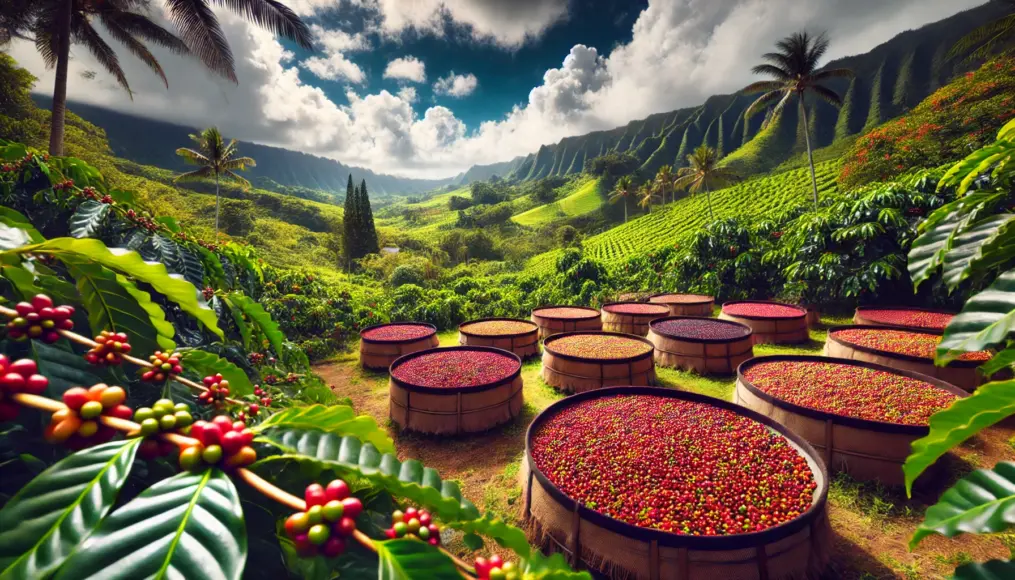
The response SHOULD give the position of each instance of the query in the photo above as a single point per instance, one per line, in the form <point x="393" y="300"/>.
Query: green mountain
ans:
<point x="890" y="79"/>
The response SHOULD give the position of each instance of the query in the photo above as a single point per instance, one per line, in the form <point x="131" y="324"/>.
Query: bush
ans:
<point x="724" y="260"/>
<point x="237" y="217"/>
<point x="406" y="274"/>
<point x="458" y="202"/>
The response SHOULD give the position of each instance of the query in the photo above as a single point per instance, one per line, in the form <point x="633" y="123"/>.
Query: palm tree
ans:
<point x="704" y="174"/>
<point x="216" y="158"/>
<point x="983" y="40"/>
<point x="795" y="70"/>
<point x="664" y="182"/>
<point x="55" y="24"/>
<point x="622" y="190"/>
<point x="646" y="195"/>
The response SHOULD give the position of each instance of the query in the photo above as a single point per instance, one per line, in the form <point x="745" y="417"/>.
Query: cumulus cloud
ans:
<point x="407" y="68"/>
<point x="333" y="40"/>
<point x="456" y="86"/>
<point x="408" y="94"/>
<point x="334" y="67"/>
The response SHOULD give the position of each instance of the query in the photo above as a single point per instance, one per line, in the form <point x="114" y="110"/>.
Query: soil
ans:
<point x="872" y="524"/>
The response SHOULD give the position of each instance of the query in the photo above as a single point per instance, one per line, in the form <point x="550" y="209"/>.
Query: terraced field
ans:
<point x="584" y="199"/>
<point x="677" y="221"/>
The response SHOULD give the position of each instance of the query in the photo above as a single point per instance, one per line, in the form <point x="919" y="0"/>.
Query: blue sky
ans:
<point x="377" y="93"/>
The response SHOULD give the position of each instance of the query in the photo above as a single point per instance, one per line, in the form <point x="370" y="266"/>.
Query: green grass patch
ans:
<point x="583" y="200"/>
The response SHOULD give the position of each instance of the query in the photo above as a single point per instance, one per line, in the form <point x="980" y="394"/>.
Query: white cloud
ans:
<point x="456" y="86"/>
<point x="407" y="68"/>
<point x="338" y="41"/>
<point x="333" y="68"/>
<point x="408" y="94"/>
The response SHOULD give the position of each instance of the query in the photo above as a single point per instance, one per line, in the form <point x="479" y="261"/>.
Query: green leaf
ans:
<point x="89" y="218"/>
<point x="171" y="223"/>
<point x="241" y="324"/>
<point x="410" y="559"/>
<point x="63" y="367"/>
<point x="114" y="303"/>
<point x="12" y="237"/>
<point x="968" y="246"/>
<point x="986" y="320"/>
<point x="552" y="567"/>
<point x="206" y="363"/>
<point x="212" y="265"/>
<point x="966" y="417"/>
<point x="15" y="219"/>
<point x="129" y="263"/>
<point x="992" y="570"/>
<point x="982" y="502"/>
<point x="193" y="269"/>
<point x="258" y="315"/>
<point x="999" y="361"/>
<point x="473" y="541"/>
<point x="348" y="455"/>
<point x="338" y="420"/>
<point x="51" y="516"/>
<point x="504" y="534"/>
<point x="23" y="281"/>
<point x="167" y="252"/>
<point x="187" y="526"/>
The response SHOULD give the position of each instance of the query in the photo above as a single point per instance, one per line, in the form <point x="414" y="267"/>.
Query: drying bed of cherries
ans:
<point x="680" y="299"/>
<point x="678" y="466"/>
<point x="449" y="368"/>
<point x="850" y="390"/>
<point x="905" y="317"/>
<point x="498" y="327"/>
<point x="901" y="342"/>
<point x="566" y="312"/>
<point x="637" y="308"/>
<point x="699" y="328"/>
<point x="763" y="310"/>
<point x="397" y="332"/>
<point x="598" y="346"/>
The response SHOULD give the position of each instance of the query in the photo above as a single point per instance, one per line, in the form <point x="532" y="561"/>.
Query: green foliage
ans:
<point x="238" y="217"/>
<point x="725" y="260"/>
<point x="407" y="559"/>
<point x="982" y="502"/>
<point x="205" y="364"/>
<point x="339" y="420"/>
<point x="406" y="274"/>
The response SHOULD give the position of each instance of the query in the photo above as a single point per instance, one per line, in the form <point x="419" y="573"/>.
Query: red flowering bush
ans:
<point x="957" y="118"/>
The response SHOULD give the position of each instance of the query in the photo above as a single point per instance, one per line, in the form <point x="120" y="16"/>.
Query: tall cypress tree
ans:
<point x="350" y="222"/>
<point x="369" y="231"/>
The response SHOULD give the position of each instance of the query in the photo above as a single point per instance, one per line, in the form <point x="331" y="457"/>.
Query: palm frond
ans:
<point x="773" y="71"/>
<point x="191" y="156"/>
<point x="202" y="33"/>
<point x="835" y="73"/>
<point x="763" y="86"/>
<point x="141" y="27"/>
<point x="686" y="181"/>
<point x="46" y="28"/>
<point x="240" y="163"/>
<point x="242" y="181"/>
<point x="102" y="52"/>
<point x="780" y="61"/>
<point x="201" y="173"/>
<point x="275" y="17"/>
<point x="135" y="47"/>
<point x="817" y="49"/>
<point x="763" y="101"/>
<point x="828" y="95"/>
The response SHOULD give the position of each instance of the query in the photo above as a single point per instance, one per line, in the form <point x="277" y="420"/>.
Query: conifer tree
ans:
<point x="369" y="231"/>
<point x="350" y="224"/>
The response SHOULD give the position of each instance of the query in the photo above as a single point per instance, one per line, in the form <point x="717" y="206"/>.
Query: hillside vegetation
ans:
<point x="584" y="199"/>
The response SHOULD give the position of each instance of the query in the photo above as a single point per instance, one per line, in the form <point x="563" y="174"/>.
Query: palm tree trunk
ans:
<point x="625" y="210"/>
<point x="810" y="154"/>
<point x="708" y="196"/>
<point x="57" y="119"/>
<point x="216" y="207"/>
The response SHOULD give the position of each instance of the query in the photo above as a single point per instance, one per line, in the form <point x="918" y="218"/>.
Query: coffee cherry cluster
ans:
<point x="40" y="319"/>
<point x="255" y="358"/>
<point x="218" y="390"/>
<point x="163" y="416"/>
<point x="222" y="442"/>
<point x="263" y="394"/>
<point x="145" y="222"/>
<point x="164" y="366"/>
<point x="330" y="519"/>
<point x="110" y="350"/>
<point x="78" y="425"/>
<point x="208" y="292"/>
<point x="19" y="376"/>
<point x="413" y="522"/>
<point x="494" y="568"/>
<point x="63" y="185"/>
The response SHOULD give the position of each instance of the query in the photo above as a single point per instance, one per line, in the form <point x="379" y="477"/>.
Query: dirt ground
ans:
<point x="872" y="524"/>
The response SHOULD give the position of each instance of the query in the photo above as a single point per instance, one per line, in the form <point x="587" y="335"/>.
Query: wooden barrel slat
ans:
<point x="703" y="356"/>
<point x="549" y="325"/>
<point x="772" y="330"/>
<point x="455" y="410"/>
<point x="379" y="354"/>
<point x="572" y="374"/>
<point x="798" y="549"/>
<point x="525" y="344"/>
<point x="685" y="304"/>
<point x="631" y="323"/>
<point x="867" y="450"/>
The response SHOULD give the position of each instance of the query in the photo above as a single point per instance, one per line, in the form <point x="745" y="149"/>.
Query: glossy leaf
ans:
<point x="114" y="303"/>
<point x="241" y="324"/>
<point x="51" y="516"/>
<point x="966" y="417"/>
<point x="999" y="361"/>
<point x="64" y="368"/>
<point x="504" y="534"/>
<point x="968" y="246"/>
<point x="16" y="219"/>
<point x="992" y="570"/>
<point x="986" y="320"/>
<point x="552" y="567"/>
<point x="188" y="526"/>
<point x="130" y="263"/>
<point x="22" y="280"/>
<point x="12" y="237"/>
<point x="936" y="233"/>
<point x="982" y="502"/>
<point x="88" y="219"/>
<point x="206" y="364"/>
<point x="338" y="420"/>
<point x="259" y="316"/>
<point x="193" y="269"/>
<point x="348" y="455"/>
<point x="410" y="559"/>
<point x="167" y="252"/>
<point x="212" y="266"/>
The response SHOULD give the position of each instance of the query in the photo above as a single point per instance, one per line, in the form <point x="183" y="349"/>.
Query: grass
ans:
<point x="584" y="199"/>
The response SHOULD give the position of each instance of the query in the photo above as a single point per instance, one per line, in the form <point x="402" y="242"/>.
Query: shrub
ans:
<point x="725" y="260"/>
<point x="406" y="274"/>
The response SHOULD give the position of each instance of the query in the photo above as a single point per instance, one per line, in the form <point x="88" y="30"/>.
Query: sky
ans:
<point x="428" y="88"/>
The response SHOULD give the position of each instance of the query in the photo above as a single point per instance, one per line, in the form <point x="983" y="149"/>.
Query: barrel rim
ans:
<point x="535" y="328"/>
<point x="654" y="315"/>
<point x="803" y="311"/>
<point x="750" y="332"/>
<point x="433" y="331"/>
<point x="709" y="299"/>
<point x="859" y="309"/>
<point x="668" y="539"/>
<point x="454" y="390"/>
<point x="868" y="424"/>
<point x="629" y="359"/>
<point x="547" y="306"/>
<point x="955" y="364"/>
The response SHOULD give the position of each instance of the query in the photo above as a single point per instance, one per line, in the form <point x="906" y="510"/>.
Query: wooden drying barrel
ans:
<point x="787" y="328"/>
<point x="453" y="410"/>
<point x="961" y="373"/>
<point x="518" y="336"/>
<point x="631" y="317"/>
<point x="379" y="352"/>
<point x="685" y="304"/>
<point x="572" y="373"/>
<point x="867" y="450"/>
<point x="700" y="344"/>
<point x="553" y="320"/>
<point x="903" y="317"/>
<point x="799" y="548"/>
